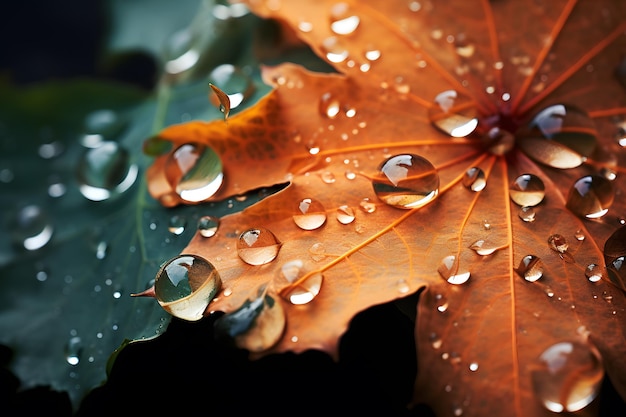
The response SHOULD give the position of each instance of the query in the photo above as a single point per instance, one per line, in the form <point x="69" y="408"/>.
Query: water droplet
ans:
<point x="579" y="235"/>
<point x="527" y="214"/>
<point x="305" y="26"/>
<point x="617" y="271"/>
<point x="51" y="150"/>
<point x="233" y="82"/>
<point x="527" y="190"/>
<point x="102" y="248"/>
<point x="567" y="376"/>
<point x="483" y="248"/>
<point x="317" y="251"/>
<point x="590" y="196"/>
<point x="473" y="367"/>
<point x="367" y="206"/>
<point x="105" y="171"/>
<point x="561" y="136"/>
<point x="403" y="286"/>
<point x="329" y="106"/>
<point x="335" y="52"/>
<point x="530" y="268"/>
<point x="449" y="270"/>
<point x="180" y="53"/>
<point x="309" y="214"/>
<point x="308" y="286"/>
<point x="185" y="285"/>
<point x="177" y="224"/>
<point x="372" y="54"/>
<point x="345" y="214"/>
<point x="258" y="246"/>
<point x="406" y="181"/>
<point x="73" y="350"/>
<point x="486" y="225"/>
<point x="558" y="243"/>
<point x="342" y="21"/>
<point x="31" y="228"/>
<point x="208" y="225"/>
<point x="474" y="179"/>
<point x="102" y="125"/>
<point x="594" y="273"/>
<point x="453" y="114"/>
<point x="328" y="177"/>
<point x="195" y="172"/>
<point x="463" y="46"/>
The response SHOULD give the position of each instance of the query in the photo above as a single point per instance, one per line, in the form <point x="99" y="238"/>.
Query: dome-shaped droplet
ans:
<point x="345" y="214"/>
<point x="567" y="376"/>
<point x="367" y="205"/>
<point x="185" y="285"/>
<point x="105" y="171"/>
<point x="258" y="246"/>
<point x="594" y="272"/>
<point x="474" y="179"/>
<point x="180" y="52"/>
<point x="195" y="172"/>
<point x="342" y="20"/>
<point x="257" y="325"/>
<point x="449" y="270"/>
<point x="232" y="81"/>
<point x="208" y="225"/>
<point x="102" y="125"/>
<point x="590" y="196"/>
<point x="464" y="46"/>
<point x="177" y="224"/>
<point x="530" y="268"/>
<point x="614" y="255"/>
<point x="527" y="190"/>
<point x="561" y="136"/>
<point x="309" y="214"/>
<point x="334" y="50"/>
<point x="329" y="106"/>
<point x="31" y="228"/>
<point x="73" y="350"/>
<point x="527" y="214"/>
<point x="304" y="286"/>
<point x="406" y="181"/>
<point x="483" y="247"/>
<point x="558" y="243"/>
<point x="453" y="114"/>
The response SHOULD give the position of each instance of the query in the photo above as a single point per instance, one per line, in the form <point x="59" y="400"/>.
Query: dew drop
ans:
<point x="406" y="181"/>
<point x="101" y="125"/>
<point x="334" y="51"/>
<point x="345" y="214"/>
<point x="195" y="172"/>
<point x="180" y="53"/>
<point x="567" y="376"/>
<point x="579" y="235"/>
<point x="527" y="214"/>
<point x="590" y="196"/>
<point x="474" y="179"/>
<point x="185" y="285"/>
<point x="483" y="248"/>
<point x="208" y="225"/>
<point x="530" y="268"/>
<point x="473" y="367"/>
<point x="561" y="136"/>
<point x="105" y="171"/>
<point x="449" y="270"/>
<point x="617" y="271"/>
<point x="309" y="214"/>
<point x="328" y="177"/>
<point x="403" y="286"/>
<point x="31" y="228"/>
<point x="234" y="82"/>
<point x="453" y="114"/>
<point x="317" y="251"/>
<point x="177" y="224"/>
<point x="594" y="273"/>
<point x="367" y="206"/>
<point x="102" y="248"/>
<point x="558" y="243"/>
<point x="372" y="54"/>
<point x="329" y="106"/>
<point x="342" y="21"/>
<point x="527" y="190"/>
<point x="258" y="246"/>
<point x="73" y="350"/>
<point x="307" y="289"/>
<point x="463" y="46"/>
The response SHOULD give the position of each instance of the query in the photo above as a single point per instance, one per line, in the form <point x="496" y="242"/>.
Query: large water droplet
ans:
<point x="453" y="114"/>
<point x="406" y="181"/>
<point x="567" y="376"/>
<point x="590" y="196"/>
<point x="208" y="225"/>
<point x="258" y="246"/>
<point x="561" y="136"/>
<point x="342" y="20"/>
<point x="185" y="285"/>
<point x="345" y="214"/>
<point x="308" y="285"/>
<point x="449" y="270"/>
<point x="105" y="171"/>
<point x="474" y="179"/>
<point x="195" y="172"/>
<point x="31" y="228"/>
<point x="232" y="81"/>
<point x="527" y="190"/>
<point x="530" y="268"/>
<point x="309" y="214"/>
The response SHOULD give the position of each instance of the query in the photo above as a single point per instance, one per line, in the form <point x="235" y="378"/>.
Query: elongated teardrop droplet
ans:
<point x="258" y="246"/>
<point x="453" y="114"/>
<point x="185" y="285"/>
<point x="306" y="290"/>
<point x="195" y="172"/>
<point x="567" y="376"/>
<point x="406" y="181"/>
<point x="530" y="268"/>
<point x="561" y="136"/>
<point x="590" y="196"/>
<point x="527" y="190"/>
<point x="309" y="214"/>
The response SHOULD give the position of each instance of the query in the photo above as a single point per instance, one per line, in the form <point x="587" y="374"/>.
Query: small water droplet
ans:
<point x="31" y="228"/>
<point x="329" y="106"/>
<point x="345" y="214"/>
<point x="406" y="181"/>
<point x="558" y="243"/>
<point x="177" y="224"/>
<point x="305" y="26"/>
<point x="403" y="286"/>
<point x="180" y="52"/>
<point x="317" y="251"/>
<point x="258" y="246"/>
<point x="73" y="350"/>
<point x="309" y="214"/>
<point x="449" y="270"/>
<point x="594" y="273"/>
<point x="372" y="54"/>
<point x="185" y="285"/>
<point x="195" y="172"/>
<point x="334" y="50"/>
<point x="208" y="225"/>
<point x="567" y="376"/>
<point x="527" y="190"/>
<point x="463" y="46"/>
<point x="328" y="177"/>
<point x="561" y="136"/>
<point x="527" y="214"/>
<point x="342" y="19"/>
<point x="105" y="171"/>
<point x="474" y="179"/>
<point x="483" y="247"/>
<point x="579" y="235"/>
<point x="102" y="248"/>
<point x="473" y="367"/>
<point x="590" y="196"/>
<point x="367" y="206"/>
<point x="306" y="290"/>
<point x="234" y="82"/>
<point x="530" y="268"/>
<point x="100" y="126"/>
<point x="453" y="114"/>
<point x="486" y="225"/>
<point x="51" y="150"/>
